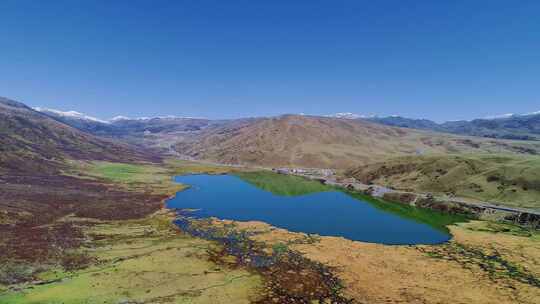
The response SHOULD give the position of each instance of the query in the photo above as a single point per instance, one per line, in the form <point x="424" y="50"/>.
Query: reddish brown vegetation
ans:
<point x="33" y="205"/>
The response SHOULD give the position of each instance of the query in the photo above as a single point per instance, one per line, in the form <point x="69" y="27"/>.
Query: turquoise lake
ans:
<point x="310" y="207"/>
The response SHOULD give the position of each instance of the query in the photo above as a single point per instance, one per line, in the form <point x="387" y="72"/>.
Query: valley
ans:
<point x="84" y="217"/>
<point x="269" y="152"/>
<point x="290" y="140"/>
<point x="226" y="258"/>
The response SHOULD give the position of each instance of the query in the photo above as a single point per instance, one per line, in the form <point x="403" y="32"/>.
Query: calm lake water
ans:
<point x="307" y="206"/>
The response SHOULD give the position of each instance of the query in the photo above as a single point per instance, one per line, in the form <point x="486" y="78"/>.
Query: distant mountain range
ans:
<point x="302" y="140"/>
<point x="156" y="132"/>
<point x="508" y="126"/>
<point x="123" y="125"/>
<point x="517" y="127"/>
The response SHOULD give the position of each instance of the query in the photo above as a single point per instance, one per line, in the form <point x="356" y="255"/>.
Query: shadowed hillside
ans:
<point x="32" y="141"/>
<point x="309" y="141"/>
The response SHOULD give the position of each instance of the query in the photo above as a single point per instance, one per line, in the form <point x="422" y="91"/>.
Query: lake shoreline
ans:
<point x="458" y="271"/>
<point x="479" y="210"/>
<point x="310" y="208"/>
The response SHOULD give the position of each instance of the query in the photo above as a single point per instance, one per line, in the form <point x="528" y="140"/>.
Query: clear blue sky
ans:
<point x="442" y="60"/>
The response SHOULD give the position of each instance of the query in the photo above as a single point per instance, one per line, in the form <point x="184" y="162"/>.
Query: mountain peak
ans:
<point x="145" y="118"/>
<point x="532" y="113"/>
<point x="119" y="118"/>
<point x="70" y="114"/>
<point x="507" y="115"/>
<point x="348" y="115"/>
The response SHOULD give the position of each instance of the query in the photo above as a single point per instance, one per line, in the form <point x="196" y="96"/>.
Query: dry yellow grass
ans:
<point x="375" y="273"/>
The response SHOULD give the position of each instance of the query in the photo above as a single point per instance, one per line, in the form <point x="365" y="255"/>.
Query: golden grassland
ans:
<point x="480" y="265"/>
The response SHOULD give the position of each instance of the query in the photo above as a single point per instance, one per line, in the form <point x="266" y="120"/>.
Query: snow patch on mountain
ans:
<point x="144" y="118"/>
<point x="72" y="114"/>
<point x="118" y="118"/>
<point x="507" y="115"/>
<point x="532" y="113"/>
<point x="349" y="115"/>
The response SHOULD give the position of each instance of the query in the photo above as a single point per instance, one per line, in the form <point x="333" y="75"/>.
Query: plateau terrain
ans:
<point x="269" y="152"/>
<point x="84" y="214"/>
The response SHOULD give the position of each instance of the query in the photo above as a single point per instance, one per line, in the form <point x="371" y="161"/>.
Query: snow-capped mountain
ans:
<point x="70" y="114"/>
<point x="119" y="118"/>
<point x="507" y="115"/>
<point x="532" y="113"/>
<point x="348" y="115"/>
<point x="81" y="116"/>
<point x="123" y="126"/>
<point x="510" y="115"/>
<point x="165" y="117"/>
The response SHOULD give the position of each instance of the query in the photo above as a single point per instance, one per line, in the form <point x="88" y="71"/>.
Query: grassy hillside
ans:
<point x="308" y="141"/>
<point x="513" y="180"/>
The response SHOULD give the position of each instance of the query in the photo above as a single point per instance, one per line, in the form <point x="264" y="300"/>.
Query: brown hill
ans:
<point x="32" y="141"/>
<point x="310" y="141"/>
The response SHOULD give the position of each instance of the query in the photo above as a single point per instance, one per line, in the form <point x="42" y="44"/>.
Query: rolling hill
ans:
<point x="513" y="180"/>
<point x="312" y="141"/>
<point x="32" y="141"/>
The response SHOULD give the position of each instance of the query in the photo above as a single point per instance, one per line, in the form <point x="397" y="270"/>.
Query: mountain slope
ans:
<point x="516" y="127"/>
<point x="30" y="140"/>
<point x="82" y="122"/>
<point x="509" y="179"/>
<point x="310" y="141"/>
<point x="404" y="122"/>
